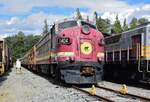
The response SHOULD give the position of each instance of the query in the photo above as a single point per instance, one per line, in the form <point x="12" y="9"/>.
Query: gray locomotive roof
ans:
<point x="138" y="27"/>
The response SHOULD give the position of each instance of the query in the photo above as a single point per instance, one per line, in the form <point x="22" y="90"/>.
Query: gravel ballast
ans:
<point x="29" y="87"/>
<point x="131" y="89"/>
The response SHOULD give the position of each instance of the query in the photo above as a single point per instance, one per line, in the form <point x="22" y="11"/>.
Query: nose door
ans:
<point x="136" y="46"/>
<point x="86" y="48"/>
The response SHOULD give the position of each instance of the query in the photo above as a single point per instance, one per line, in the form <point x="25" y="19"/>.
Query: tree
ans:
<point x="45" y="29"/>
<point x="109" y="26"/>
<point x="117" y="26"/>
<point x="133" y="23"/>
<point x="20" y="44"/>
<point x="142" y="21"/>
<point x="87" y="19"/>
<point x="125" y="26"/>
<point x="79" y="16"/>
<point x="95" y="15"/>
<point x="102" y="25"/>
<point x="18" y="47"/>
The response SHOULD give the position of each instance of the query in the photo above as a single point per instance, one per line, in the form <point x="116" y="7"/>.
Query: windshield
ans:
<point x="90" y="25"/>
<point x="67" y="24"/>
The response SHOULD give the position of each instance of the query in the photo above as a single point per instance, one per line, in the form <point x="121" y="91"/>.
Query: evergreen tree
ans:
<point x="87" y="19"/>
<point x="102" y="25"/>
<point x="18" y="47"/>
<point x="125" y="26"/>
<point x="133" y="23"/>
<point x="108" y="25"/>
<point x="79" y="16"/>
<point x="20" y="44"/>
<point x="117" y="26"/>
<point x="142" y="20"/>
<point x="45" y="28"/>
<point x="95" y="15"/>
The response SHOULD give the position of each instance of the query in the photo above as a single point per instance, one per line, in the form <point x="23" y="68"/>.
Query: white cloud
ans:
<point x="109" y="15"/>
<point x="15" y="6"/>
<point x="33" y="23"/>
<point x="146" y="16"/>
<point x="3" y="35"/>
<point x="13" y="20"/>
<point x="146" y="7"/>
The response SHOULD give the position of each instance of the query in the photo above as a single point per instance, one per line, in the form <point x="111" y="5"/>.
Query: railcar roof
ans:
<point x="71" y="19"/>
<point x="65" y="20"/>
<point x="139" y="26"/>
<point x="112" y="35"/>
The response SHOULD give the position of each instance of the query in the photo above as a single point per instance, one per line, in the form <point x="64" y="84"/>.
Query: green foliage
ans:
<point x="102" y="25"/>
<point x="95" y="15"/>
<point x="117" y="26"/>
<point x="79" y="16"/>
<point x="125" y="26"/>
<point x="20" y="44"/>
<point x="142" y="20"/>
<point x="45" y="28"/>
<point x="133" y="23"/>
<point x="87" y="19"/>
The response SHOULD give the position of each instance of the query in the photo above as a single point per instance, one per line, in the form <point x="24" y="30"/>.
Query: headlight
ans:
<point x="85" y="29"/>
<point x="64" y="41"/>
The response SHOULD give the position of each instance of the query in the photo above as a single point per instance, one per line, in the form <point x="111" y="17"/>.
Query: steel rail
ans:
<point x="97" y="96"/>
<point x="127" y="94"/>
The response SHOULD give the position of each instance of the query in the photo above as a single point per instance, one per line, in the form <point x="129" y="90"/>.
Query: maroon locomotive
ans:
<point x="72" y="51"/>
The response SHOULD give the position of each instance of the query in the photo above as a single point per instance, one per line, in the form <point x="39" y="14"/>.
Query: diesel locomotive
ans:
<point x="72" y="51"/>
<point x="127" y="55"/>
<point x="5" y="57"/>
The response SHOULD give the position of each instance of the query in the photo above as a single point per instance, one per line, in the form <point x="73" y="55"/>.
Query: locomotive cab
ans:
<point x="79" y="51"/>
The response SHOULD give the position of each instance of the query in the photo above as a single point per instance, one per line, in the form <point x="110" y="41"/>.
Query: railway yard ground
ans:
<point x="30" y="87"/>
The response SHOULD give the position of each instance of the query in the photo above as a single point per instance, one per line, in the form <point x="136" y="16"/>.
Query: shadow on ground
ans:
<point x="4" y="77"/>
<point x="130" y="83"/>
<point x="59" y="83"/>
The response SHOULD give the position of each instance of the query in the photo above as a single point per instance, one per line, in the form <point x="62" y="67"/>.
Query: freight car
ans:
<point x="127" y="55"/>
<point x="72" y="52"/>
<point x="5" y="57"/>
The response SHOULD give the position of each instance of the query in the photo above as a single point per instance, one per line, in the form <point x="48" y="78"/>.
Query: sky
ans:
<point x="28" y="15"/>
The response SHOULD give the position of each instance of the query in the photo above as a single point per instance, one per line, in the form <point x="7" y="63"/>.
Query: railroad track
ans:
<point x="142" y="98"/>
<point x="96" y="96"/>
<point x="111" y="98"/>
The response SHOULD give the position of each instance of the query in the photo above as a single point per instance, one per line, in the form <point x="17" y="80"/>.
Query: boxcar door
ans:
<point x="136" y="46"/>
